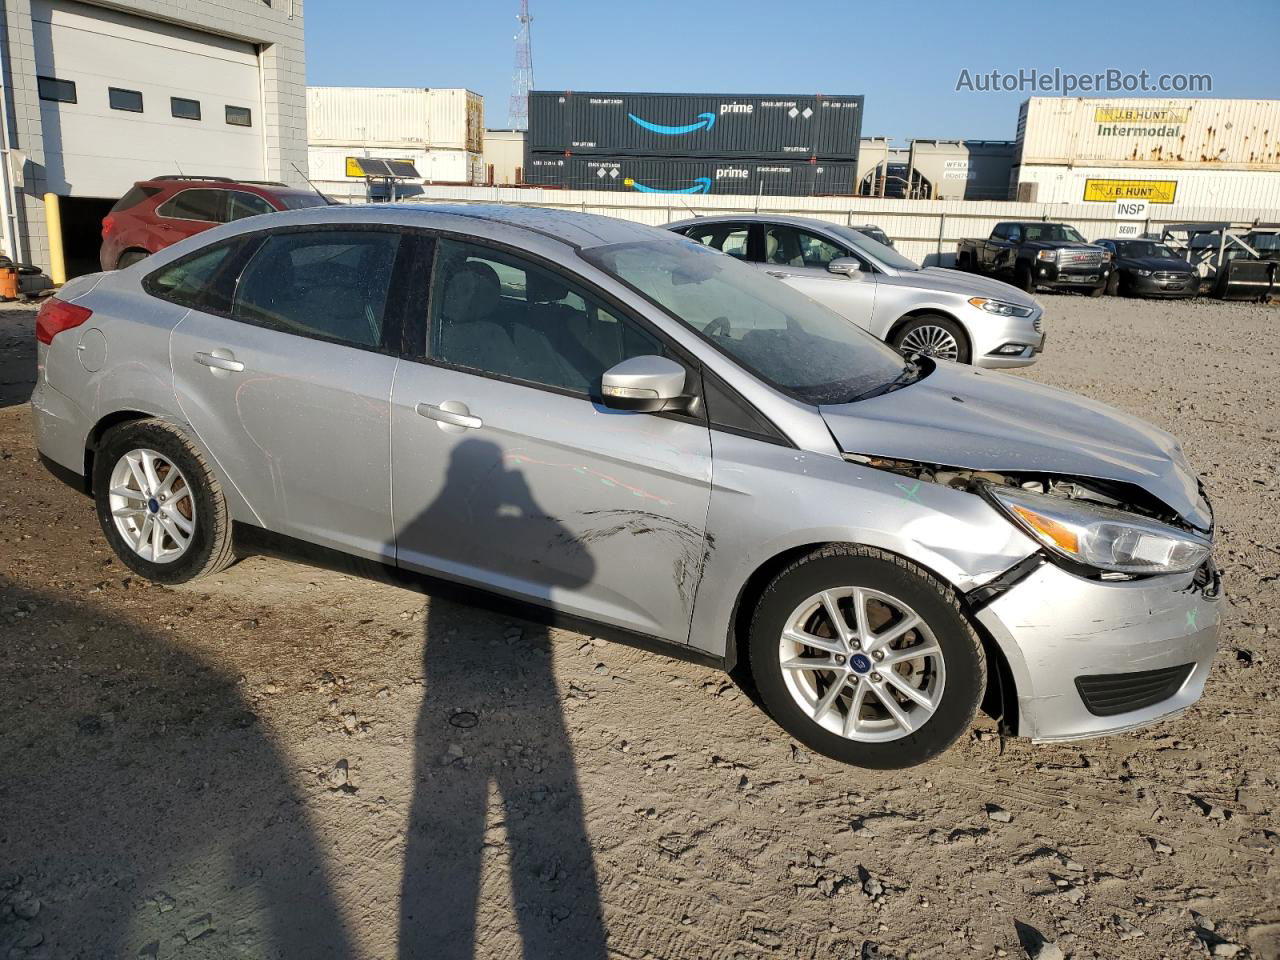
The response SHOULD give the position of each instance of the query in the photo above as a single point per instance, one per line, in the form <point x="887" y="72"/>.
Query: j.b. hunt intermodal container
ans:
<point x="748" y="126"/>
<point x="769" y="178"/>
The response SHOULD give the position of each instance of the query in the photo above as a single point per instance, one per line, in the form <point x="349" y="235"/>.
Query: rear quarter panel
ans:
<point x="136" y="375"/>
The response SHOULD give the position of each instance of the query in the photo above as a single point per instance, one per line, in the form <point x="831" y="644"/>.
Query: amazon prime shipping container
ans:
<point x="777" y="127"/>
<point x="769" y="178"/>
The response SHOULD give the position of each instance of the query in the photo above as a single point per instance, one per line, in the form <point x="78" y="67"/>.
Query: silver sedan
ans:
<point x="920" y="311"/>
<point x="625" y="432"/>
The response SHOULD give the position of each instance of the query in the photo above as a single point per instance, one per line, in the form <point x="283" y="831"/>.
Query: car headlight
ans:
<point x="1143" y="273"/>
<point x="1001" y="308"/>
<point x="1101" y="537"/>
<point x="1046" y="254"/>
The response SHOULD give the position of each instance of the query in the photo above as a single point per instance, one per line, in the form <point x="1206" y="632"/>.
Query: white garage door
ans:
<point x="93" y="149"/>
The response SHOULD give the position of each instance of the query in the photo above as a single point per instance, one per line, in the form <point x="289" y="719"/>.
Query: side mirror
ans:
<point x="645" y="384"/>
<point x="845" y="266"/>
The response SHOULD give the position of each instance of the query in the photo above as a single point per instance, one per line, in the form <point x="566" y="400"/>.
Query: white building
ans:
<point x="97" y="97"/>
<point x="439" y="131"/>
<point x="1170" y="152"/>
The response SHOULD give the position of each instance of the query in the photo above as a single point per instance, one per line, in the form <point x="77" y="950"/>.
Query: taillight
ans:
<point x="107" y="224"/>
<point x="58" y="315"/>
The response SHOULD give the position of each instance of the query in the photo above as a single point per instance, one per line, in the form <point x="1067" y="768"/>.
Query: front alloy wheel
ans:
<point x="866" y="657"/>
<point x="862" y="664"/>
<point x="930" y="340"/>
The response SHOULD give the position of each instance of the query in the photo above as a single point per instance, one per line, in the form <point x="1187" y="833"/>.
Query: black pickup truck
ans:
<point x="1032" y="253"/>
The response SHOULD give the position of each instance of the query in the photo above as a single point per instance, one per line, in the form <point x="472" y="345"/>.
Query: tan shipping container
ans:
<point x="1182" y="133"/>
<point x="395" y="117"/>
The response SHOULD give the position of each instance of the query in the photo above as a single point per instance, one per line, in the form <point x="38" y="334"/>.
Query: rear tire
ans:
<point x="949" y="673"/>
<point x="159" y="503"/>
<point x="129" y="258"/>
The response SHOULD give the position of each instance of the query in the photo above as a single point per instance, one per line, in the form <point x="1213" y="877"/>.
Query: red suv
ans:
<point x="156" y="213"/>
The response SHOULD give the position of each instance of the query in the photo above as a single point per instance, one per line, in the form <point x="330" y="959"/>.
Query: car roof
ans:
<point x="578" y="230"/>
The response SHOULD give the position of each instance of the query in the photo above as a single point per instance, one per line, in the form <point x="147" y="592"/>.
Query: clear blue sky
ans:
<point x="905" y="57"/>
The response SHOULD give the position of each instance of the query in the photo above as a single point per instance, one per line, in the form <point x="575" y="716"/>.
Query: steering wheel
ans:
<point x="719" y="327"/>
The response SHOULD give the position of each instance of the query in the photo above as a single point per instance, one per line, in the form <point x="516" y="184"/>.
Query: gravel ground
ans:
<point x="283" y="761"/>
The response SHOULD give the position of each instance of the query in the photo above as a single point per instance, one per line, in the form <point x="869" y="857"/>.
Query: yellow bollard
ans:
<point x="53" y="223"/>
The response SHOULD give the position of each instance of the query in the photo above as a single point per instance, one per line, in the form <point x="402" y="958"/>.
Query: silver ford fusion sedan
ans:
<point x="931" y="311"/>
<point x="616" y="429"/>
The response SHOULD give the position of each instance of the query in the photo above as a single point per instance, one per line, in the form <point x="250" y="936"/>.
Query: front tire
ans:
<point x="159" y="503"/>
<point x="934" y="336"/>
<point x="1113" y="284"/>
<point x="1022" y="278"/>
<point x="866" y="658"/>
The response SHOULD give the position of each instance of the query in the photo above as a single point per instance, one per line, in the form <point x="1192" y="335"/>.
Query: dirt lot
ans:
<point x="287" y="762"/>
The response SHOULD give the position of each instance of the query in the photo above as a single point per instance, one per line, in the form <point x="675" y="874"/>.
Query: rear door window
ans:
<point x="325" y="284"/>
<point x="241" y="204"/>
<point x="731" y="238"/>
<point x="196" y="204"/>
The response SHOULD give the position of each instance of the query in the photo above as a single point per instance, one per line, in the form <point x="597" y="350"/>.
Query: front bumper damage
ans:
<point x="1147" y="642"/>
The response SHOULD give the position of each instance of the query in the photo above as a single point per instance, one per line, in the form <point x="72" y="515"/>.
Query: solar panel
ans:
<point x="403" y="169"/>
<point x="374" y="168"/>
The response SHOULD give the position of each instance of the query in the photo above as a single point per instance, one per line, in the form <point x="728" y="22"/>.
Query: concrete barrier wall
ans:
<point x="924" y="230"/>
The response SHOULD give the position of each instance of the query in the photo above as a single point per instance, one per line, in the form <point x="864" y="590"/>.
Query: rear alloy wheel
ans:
<point x="159" y="503"/>
<point x="152" y="506"/>
<point x="932" y="336"/>
<point x="866" y="658"/>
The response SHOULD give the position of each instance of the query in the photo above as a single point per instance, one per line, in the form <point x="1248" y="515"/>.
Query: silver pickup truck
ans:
<point x="933" y="311"/>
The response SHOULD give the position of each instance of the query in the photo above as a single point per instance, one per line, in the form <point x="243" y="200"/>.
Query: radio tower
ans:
<point x="522" y="78"/>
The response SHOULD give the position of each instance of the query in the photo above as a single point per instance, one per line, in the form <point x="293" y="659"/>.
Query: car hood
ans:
<point x="971" y="284"/>
<point x="958" y="416"/>
<point x="1158" y="263"/>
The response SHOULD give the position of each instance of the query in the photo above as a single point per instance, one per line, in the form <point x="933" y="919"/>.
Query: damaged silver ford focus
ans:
<point x="616" y="429"/>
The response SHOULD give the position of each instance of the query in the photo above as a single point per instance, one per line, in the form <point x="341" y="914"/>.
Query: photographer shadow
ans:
<point x="492" y="718"/>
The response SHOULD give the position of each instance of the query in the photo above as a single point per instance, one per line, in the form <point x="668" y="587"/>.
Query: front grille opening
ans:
<point x="1108" y="694"/>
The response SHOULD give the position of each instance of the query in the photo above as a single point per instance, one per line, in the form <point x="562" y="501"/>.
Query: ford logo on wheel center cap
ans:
<point x="860" y="662"/>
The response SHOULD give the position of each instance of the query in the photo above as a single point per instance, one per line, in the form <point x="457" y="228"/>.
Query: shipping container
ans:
<point x="782" y="127"/>
<point x="1255" y="193"/>
<point x="770" y="178"/>
<point x="395" y="117"/>
<point x="1150" y="132"/>
<point x="504" y="156"/>
<point x="960" y="169"/>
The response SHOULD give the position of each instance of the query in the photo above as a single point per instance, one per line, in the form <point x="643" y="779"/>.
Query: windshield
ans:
<point x="864" y="244"/>
<point x="1053" y="233"/>
<point x="790" y="341"/>
<point x="297" y="201"/>
<point x="1144" y="248"/>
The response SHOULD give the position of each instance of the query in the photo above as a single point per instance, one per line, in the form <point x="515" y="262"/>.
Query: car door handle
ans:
<point x="778" y="273"/>
<point x="458" y="416"/>
<point x="218" y="363"/>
